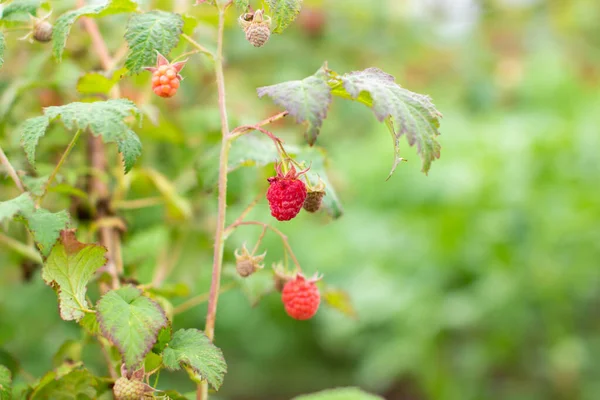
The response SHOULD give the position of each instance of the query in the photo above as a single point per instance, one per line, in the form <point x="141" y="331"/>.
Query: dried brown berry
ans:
<point x="257" y="27"/>
<point x="313" y="201"/>
<point x="246" y="263"/>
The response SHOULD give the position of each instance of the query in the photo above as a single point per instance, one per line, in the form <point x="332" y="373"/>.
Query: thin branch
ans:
<point x="98" y="43"/>
<point x="138" y="203"/>
<point x="284" y="238"/>
<point x="62" y="160"/>
<point x="200" y="299"/>
<point x="111" y="371"/>
<point x="21" y="248"/>
<point x="244" y="214"/>
<point x="242" y="130"/>
<point x="198" y="46"/>
<point x="11" y="170"/>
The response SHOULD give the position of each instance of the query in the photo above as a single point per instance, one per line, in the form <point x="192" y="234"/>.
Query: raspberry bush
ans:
<point x="80" y="237"/>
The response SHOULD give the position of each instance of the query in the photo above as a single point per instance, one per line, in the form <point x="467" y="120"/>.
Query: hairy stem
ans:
<point x="11" y="171"/>
<point x="62" y="160"/>
<point x="202" y="391"/>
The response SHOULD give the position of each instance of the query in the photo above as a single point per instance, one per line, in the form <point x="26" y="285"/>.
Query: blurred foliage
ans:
<point x="478" y="281"/>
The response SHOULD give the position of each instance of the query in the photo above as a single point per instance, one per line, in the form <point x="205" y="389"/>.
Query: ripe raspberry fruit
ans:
<point x="286" y="194"/>
<point x="257" y="27"/>
<point x="126" y="389"/>
<point x="165" y="76"/>
<point x="301" y="297"/>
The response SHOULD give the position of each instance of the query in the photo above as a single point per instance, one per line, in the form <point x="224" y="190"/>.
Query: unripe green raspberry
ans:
<point x="126" y="389"/>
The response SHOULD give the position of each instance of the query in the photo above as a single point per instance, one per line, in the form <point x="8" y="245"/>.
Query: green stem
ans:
<point x="202" y="390"/>
<point x="198" y="46"/>
<point x="60" y="163"/>
<point x="21" y="248"/>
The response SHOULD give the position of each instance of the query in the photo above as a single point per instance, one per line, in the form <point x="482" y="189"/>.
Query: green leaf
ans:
<point x="340" y="301"/>
<point x="96" y="83"/>
<point x="63" y="24"/>
<point x="339" y="394"/>
<point x="10" y="208"/>
<point x="68" y="270"/>
<point x="242" y="4"/>
<point x="163" y="338"/>
<point x="283" y="12"/>
<point x="20" y="10"/>
<point x="130" y="147"/>
<point x="405" y="112"/>
<point x="43" y="225"/>
<point x="307" y="100"/>
<point x="77" y="384"/>
<point x="102" y="118"/>
<point x="131" y="321"/>
<point x="2" y="47"/>
<point x="148" y="33"/>
<point x="35" y="185"/>
<point x="192" y="348"/>
<point x="31" y="132"/>
<point x="5" y="383"/>
<point x="316" y="158"/>
<point x="89" y="322"/>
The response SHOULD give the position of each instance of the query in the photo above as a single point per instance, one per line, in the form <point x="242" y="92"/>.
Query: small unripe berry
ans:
<point x="165" y="76"/>
<point x="42" y="31"/>
<point x="126" y="389"/>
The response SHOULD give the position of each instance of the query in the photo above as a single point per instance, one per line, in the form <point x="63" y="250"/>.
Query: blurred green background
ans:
<point x="479" y="281"/>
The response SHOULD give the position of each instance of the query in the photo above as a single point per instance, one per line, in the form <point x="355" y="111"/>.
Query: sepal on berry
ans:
<point x="256" y="26"/>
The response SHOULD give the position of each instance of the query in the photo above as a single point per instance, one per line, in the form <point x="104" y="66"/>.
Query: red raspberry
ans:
<point x="301" y="298"/>
<point x="286" y="194"/>
<point x="165" y="76"/>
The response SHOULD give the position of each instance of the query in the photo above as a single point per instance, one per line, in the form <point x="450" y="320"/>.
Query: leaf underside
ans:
<point x="5" y="383"/>
<point x="405" y="112"/>
<point x="306" y="100"/>
<point x="131" y="321"/>
<point x="192" y="348"/>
